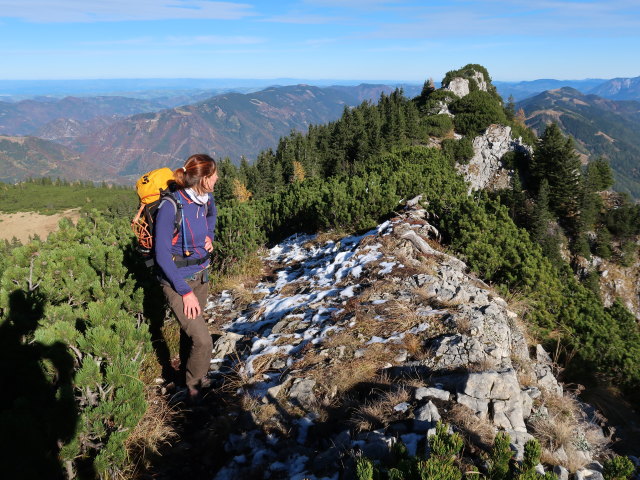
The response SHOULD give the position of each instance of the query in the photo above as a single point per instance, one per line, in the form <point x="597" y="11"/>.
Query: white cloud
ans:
<point x="48" y="11"/>
<point x="303" y="19"/>
<point x="460" y="19"/>
<point x="125" y="41"/>
<point x="213" y="40"/>
<point x="367" y="4"/>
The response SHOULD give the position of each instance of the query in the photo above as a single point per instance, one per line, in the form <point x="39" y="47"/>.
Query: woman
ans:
<point x="182" y="254"/>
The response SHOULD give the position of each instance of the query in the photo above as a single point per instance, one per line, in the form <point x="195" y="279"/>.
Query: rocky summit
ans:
<point x="349" y="345"/>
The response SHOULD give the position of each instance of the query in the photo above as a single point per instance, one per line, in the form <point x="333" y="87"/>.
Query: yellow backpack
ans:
<point x="152" y="188"/>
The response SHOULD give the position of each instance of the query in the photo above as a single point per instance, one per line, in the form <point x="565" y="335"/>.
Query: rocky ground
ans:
<point x="349" y="345"/>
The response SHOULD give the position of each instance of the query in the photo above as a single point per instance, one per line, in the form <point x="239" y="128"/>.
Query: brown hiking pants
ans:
<point x="199" y="354"/>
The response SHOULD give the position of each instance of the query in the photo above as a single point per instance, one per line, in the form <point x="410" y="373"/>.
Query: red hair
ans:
<point x="196" y="168"/>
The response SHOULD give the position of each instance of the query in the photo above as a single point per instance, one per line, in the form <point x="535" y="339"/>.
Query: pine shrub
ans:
<point x="88" y="311"/>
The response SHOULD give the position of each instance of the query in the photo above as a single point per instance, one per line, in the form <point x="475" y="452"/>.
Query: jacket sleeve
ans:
<point x="212" y="216"/>
<point x="165" y="220"/>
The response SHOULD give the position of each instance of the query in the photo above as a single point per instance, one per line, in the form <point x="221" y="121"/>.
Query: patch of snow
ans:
<point x="348" y="292"/>
<point x="387" y="267"/>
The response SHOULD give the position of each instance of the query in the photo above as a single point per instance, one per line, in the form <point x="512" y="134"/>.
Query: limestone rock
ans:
<point x="225" y="345"/>
<point x="430" y="392"/>
<point x="495" y="396"/>
<point x="302" y="391"/>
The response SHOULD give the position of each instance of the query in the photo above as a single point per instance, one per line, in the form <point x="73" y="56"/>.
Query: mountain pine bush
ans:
<point x="87" y="310"/>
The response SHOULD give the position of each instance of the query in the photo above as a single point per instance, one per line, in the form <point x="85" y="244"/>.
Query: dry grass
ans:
<point x="171" y="335"/>
<point x="413" y="344"/>
<point x="345" y="373"/>
<point x="463" y="324"/>
<point x="525" y="374"/>
<point x="290" y="289"/>
<point x="377" y="290"/>
<point x="432" y="300"/>
<point x="262" y="364"/>
<point x="478" y="431"/>
<point x="380" y="412"/>
<point x="485" y="364"/>
<point x="327" y="236"/>
<point x="565" y="427"/>
<point x="152" y="432"/>
<point x="243" y="275"/>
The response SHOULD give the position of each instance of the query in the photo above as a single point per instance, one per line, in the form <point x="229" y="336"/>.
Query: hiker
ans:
<point x="183" y="261"/>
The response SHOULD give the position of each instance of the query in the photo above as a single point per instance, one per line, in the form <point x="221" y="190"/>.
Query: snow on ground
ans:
<point x="314" y="271"/>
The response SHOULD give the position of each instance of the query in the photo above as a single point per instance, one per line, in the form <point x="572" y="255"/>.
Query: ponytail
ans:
<point x="195" y="169"/>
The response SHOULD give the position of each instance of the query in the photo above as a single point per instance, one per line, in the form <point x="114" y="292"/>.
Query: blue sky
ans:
<point x="318" y="39"/>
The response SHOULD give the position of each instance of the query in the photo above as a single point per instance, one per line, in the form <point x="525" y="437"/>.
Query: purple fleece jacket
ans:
<point x="196" y="228"/>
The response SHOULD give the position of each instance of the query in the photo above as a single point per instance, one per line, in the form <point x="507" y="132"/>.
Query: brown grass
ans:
<point x="478" y="431"/>
<point x="345" y="373"/>
<point x="152" y="432"/>
<point x="380" y="412"/>
<point x="241" y="276"/>
<point x="262" y="364"/>
<point x="327" y="236"/>
<point x="563" y="426"/>
<point x="484" y="364"/>
<point x="432" y="300"/>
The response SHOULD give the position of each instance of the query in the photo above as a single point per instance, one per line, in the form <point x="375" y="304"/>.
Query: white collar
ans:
<point x="201" y="199"/>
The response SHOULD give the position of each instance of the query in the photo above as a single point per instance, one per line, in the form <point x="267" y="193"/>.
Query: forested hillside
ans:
<point x="83" y="290"/>
<point x="600" y="127"/>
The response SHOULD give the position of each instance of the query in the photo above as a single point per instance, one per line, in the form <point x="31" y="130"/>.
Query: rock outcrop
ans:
<point x="485" y="169"/>
<point x="460" y="86"/>
<point x="356" y="343"/>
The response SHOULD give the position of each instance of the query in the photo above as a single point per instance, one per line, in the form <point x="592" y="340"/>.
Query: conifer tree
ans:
<point x="599" y="175"/>
<point x="556" y="161"/>
<point x="541" y="229"/>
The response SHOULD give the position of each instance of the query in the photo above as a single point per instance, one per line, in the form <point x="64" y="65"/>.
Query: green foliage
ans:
<point x="540" y="226"/>
<point x="618" y="468"/>
<point x="438" y="125"/>
<point x="48" y="196"/>
<point x="360" y="201"/>
<point x="602" y="247"/>
<point x="468" y="72"/>
<point x="434" y="101"/>
<point x="442" y="463"/>
<point x="500" y="457"/>
<point x="624" y="221"/>
<point x="90" y="305"/>
<point x="364" y="469"/>
<point x="502" y="465"/>
<point x="239" y="232"/>
<point x="458" y="151"/>
<point x="444" y="445"/>
<point x="475" y="112"/>
<point x="556" y="161"/>
<point x="599" y="175"/>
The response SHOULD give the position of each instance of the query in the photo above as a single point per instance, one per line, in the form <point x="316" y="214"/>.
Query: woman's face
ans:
<point x="209" y="182"/>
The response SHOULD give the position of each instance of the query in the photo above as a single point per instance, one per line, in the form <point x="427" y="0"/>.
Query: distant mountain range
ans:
<point x="24" y="157"/>
<point x="615" y="89"/>
<point x="600" y="127"/>
<point x="117" y="138"/>
<point x="112" y="135"/>
<point x="28" y="116"/>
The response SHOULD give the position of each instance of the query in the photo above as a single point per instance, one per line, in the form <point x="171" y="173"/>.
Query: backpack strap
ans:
<point x="177" y="205"/>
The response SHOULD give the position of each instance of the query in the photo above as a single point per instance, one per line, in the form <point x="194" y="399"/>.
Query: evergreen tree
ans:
<point x="556" y="161"/>
<point x="510" y="108"/>
<point x="541" y="230"/>
<point x="227" y="173"/>
<point x="599" y="175"/>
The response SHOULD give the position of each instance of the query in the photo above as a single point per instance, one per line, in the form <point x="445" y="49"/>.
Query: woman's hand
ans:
<point x="191" y="305"/>
<point x="208" y="246"/>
